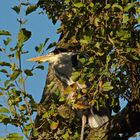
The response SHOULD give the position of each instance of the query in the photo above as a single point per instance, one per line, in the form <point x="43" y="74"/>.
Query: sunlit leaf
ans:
<point x="17" y="54"/>
<point x="15" y="74"/>
<point x="84" y="90"/>
<point x="79" y="106"/>
<point x="96" y="21"/>
<point x="3" y="118"/>
<point x="66" y="135"/>
<point x="117" y="6"/>
<point x="14" y="136"/>
<point x="28" y="126"/>
<point x="1" y="94"/>
<point x="22" y="107"/>
<point x="30" y="9"/>
<point x="128" y="7"/>
<point x="54" y="125"/>
<point x="79" y="4"/>
<point x="107" y="6"/>
<point x="21" y="80"/>
<point x="75" y="76"/>
<point x="125" y="18"/>
<point x="4" y="110"/>
<point x="4" y="32"/>
<point x="107" y="86"/>
<point x="23" y="35"/>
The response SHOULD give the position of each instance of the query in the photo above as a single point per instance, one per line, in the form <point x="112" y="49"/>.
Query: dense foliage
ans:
<point x="106" y="36"/>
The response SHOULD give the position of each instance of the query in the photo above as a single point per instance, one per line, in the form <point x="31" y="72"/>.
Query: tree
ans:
<point x="107" y="32"/>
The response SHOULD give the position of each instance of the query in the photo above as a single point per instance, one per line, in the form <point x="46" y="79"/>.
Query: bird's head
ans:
<point x="56" y="56"/>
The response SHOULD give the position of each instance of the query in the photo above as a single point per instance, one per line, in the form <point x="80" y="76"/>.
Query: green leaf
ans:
<point x="40" y="67"/>
<point x="75" y="76"/>
<point x="135" y="57"/>
<point x="51" y="45"/>
<point x="107" y="6"/>
<point x="79" y="4"/>
<point x="15" y="74"/>
<point x="108" y="58"/>
<point x="96" y="21"/>
<point x="128" y="6"/>
<point x="5" y="64"/>
<point x="22" y="108"/>
<point x="82" y="60"/>
<point x="66" y="135"/>
<point x="107" y="86"/>
<point x="39" y="48"/>
<point x="28" y="126"/>
<point x="117" y="6"/>
<point x="6" y="83"/>
<point x="62" y="98"/>
<point x="3" y="117"/>
<point x="3" y="71"/>
<point x="1" y="94"/>
<point x="20" y="80"/>
<point x="125" y="18"/>
<point x="7" y="41"/>
<point x="31" y="9"/>
<point x="84" y="41"/>
<point x="23" y="35"/>
<point x="35" y="132"/>
<point x="54" y="125"/>
<point x="14" y="136"/>
<point x="16" y="9"/>
<point x="28" y="72"/>
<point x="4" y="110"/>
<point x="17" y="54"/>
<point x="4" y="32"/>
<point x="138" y="19"/>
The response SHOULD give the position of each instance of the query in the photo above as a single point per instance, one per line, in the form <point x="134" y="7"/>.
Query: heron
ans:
<point x="63" y="62"/>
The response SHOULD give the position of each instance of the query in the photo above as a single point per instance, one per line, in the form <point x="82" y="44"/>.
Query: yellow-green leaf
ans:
<point x="107" y="86"/>
<point x="79" y="4"/>
<point x="4" y="32"/>
<point x="75" y="76"/>
<point x="54" y="125"/>
<point x="4" y="110"/>
<point x="31" y="9"/>
<point x="23" y="35"/>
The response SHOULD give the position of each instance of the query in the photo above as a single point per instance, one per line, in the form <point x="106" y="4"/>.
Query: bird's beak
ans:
<point x="45" y="58"/>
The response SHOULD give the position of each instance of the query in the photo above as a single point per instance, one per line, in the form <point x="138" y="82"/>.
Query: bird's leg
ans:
<point x="83" y="126"/>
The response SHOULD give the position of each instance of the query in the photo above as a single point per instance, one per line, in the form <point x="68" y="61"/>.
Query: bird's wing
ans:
<point x="39" y="59"/>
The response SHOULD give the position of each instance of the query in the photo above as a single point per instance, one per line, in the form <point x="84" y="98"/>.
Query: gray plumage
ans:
<point x="63" y="63"/>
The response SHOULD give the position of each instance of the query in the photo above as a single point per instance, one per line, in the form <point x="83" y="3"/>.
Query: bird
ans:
<point x="63" y="62"/>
